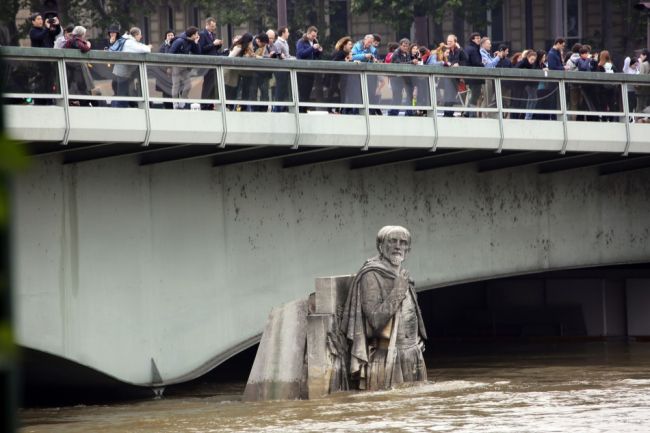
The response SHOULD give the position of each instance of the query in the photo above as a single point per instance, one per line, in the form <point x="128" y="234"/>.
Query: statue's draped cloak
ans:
<point x="359" y="327"/>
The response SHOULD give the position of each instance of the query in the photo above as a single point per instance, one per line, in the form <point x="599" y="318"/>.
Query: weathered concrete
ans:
<point x="330" y="295"/>
<point x="319" y="362"/>
<point x="116" y="264"/>
<point x="278" y="371"/>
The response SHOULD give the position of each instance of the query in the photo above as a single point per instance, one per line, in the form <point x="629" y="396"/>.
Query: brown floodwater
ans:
<point x="567" y="387"/>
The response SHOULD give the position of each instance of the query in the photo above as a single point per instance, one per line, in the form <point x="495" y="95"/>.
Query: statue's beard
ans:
<point x="396" y="259"/>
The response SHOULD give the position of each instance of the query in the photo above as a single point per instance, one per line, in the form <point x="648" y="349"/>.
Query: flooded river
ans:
<point x="567" y="387"/>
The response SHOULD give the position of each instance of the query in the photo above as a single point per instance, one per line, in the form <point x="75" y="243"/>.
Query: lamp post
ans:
<point x="645" y="7"/>
<point x="282" y="13"/>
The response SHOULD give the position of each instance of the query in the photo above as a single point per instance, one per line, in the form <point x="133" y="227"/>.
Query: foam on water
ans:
<point x="507" y="398"/>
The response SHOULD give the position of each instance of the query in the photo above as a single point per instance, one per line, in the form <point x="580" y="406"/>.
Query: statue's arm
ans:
<point x="378" y="311"/>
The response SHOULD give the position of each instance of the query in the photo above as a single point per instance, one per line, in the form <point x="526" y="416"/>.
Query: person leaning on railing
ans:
<point x="238" y="80"/>
<point x="524" y="93"/>
<point x="472" y="49"/>
<point x="605" y="97"/>
<point x="571" y="65"/>
<point x="420" y="84"/>
<point x="307" y="48"/>
<point x="554" y="56"/>
<point x="63" y="38"/>
<point x="126" y="75"/>
<point x="402" y="55"/>
<point x="453" y="55"/>
<point x="186" y="43"/>
<point x="44" y="31"/>
<point x="631" y="67"/>
<point x="547" y="91"/>
<point x="79" y="80"/>
<point x="261" y="79"/>
<point x="164" y="78"/>
<point x="553" y="62"/>
<point x="113" y="34"/>
<point x="643" y="92"/>
<point x="210" y="46"/>
<point x="281" y="46"/>
<point x="489" y="61"/>
<point x="586" y="63"/>
<point x="364" y="50"/>
<point x="337" y="84"/>
<point x="42" y="35"/>
<point x="505" y="61"/>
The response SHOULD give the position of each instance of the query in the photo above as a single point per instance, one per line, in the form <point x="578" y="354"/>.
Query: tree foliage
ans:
<point x="400" y="13"/>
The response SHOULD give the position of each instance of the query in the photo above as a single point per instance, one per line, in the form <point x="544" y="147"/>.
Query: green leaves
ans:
<point x="12" y="158"/>
<point x="399" y="14"/>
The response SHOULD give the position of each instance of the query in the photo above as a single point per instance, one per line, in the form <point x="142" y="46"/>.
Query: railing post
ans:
<point x="144" y="88"/>
<point x="626" y="111"/>
<point x="434" y="102"/>
<point x="366" y="107"/>
<point x="63" y="85"/>
<point x="221" y="85"/>
<point x="565" y="116"/>
<point x="294" y="95"/>
<point x="498" y="95"/>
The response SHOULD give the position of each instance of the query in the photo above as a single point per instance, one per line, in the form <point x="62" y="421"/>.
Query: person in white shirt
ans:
<point x="125" y="74"/>
<point x="281" y="45"/>
<point x="60" y="41"/>
<point x="282" y="78"/>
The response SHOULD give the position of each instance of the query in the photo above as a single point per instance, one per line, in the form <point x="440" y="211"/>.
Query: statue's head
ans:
<point x="393" y="243"/>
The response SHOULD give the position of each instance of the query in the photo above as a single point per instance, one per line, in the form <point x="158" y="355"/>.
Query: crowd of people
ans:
<point x="250" y="85"/>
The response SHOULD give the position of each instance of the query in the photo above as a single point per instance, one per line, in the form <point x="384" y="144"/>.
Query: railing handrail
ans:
<point x="317" y="65"/>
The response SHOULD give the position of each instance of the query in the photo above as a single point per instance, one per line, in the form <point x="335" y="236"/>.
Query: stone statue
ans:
<point x="382" y="319"/>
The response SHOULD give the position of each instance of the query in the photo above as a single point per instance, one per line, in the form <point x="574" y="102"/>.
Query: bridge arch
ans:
<point x="606" y="302"/>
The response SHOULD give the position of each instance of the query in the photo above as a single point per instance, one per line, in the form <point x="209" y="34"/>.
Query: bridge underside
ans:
<point x="125" y="260"/>
<point x="589" y="303"/>
<point x="419" y="159"/>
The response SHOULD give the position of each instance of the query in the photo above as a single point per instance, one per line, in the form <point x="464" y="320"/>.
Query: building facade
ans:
<point x="613" y="25"/>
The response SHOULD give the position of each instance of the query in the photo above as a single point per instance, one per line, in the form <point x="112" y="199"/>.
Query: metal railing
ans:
<point x="221" y="84"/>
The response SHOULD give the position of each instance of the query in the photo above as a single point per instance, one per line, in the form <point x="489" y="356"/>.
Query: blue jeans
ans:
<point x="121" y="89"/>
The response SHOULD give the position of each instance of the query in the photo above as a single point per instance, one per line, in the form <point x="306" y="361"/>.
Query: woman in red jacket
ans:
<point x="80" y="81"/>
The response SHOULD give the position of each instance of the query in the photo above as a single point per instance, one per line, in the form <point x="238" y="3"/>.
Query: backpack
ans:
<point x="118" y="45"/>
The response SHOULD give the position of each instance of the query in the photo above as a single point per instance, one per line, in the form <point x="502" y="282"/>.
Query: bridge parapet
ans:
<point x="121" y="98"/>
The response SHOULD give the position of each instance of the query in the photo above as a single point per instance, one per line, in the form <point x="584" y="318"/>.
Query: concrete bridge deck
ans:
<point x="140" y="234"/>
<point x="157" y="135"/>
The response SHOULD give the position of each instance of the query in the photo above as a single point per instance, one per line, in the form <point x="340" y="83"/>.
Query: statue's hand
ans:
<point x="401" y="286"/>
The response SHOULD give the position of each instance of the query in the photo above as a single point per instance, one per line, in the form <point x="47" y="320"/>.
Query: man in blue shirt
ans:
<point x="489" y="61"/>
<point x="186" y="43"/>
<point x="210" y="46"/>
<point x="307" y="48"/>
<point x="364" y="50"/>
<point x="554" y="60"/>
<point x="554" y="57"/>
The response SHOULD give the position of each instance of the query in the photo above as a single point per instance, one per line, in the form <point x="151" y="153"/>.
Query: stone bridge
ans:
<point x="145" y="234"/>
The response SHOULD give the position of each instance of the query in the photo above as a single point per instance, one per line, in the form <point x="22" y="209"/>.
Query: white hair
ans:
<point x="79" y="31"/>
<point x="387" y="230"/>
